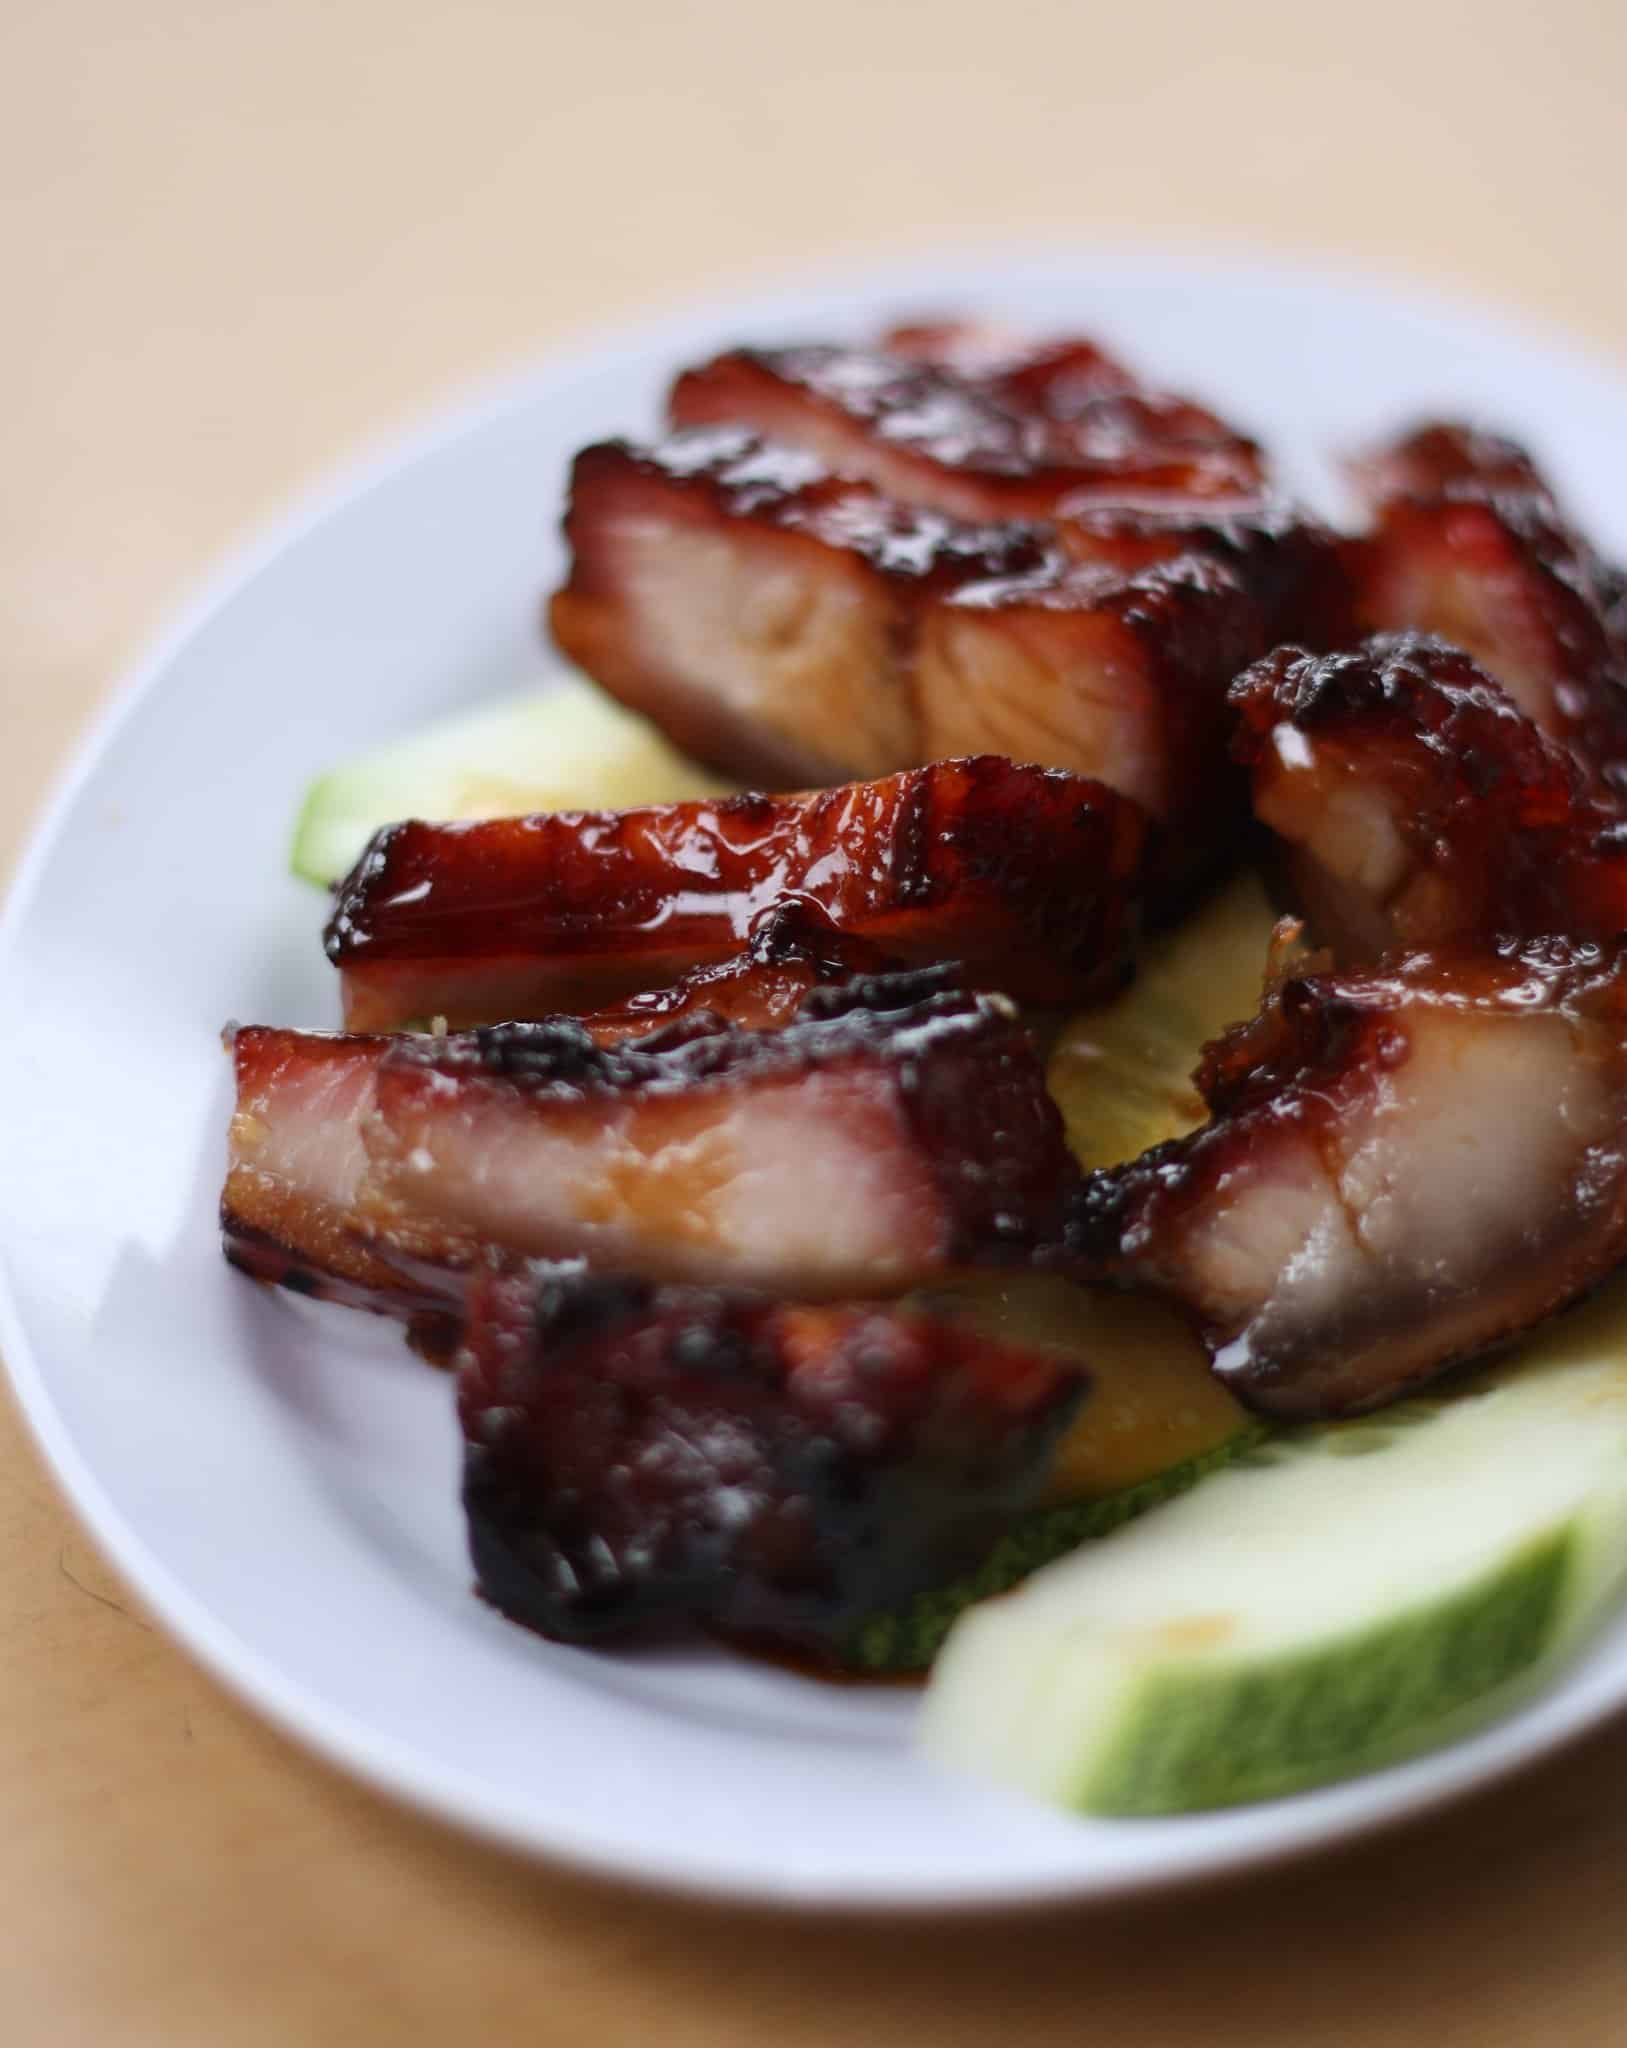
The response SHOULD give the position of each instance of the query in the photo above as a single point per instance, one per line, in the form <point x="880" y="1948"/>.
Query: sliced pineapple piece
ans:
<point x="1122" y="1073"/>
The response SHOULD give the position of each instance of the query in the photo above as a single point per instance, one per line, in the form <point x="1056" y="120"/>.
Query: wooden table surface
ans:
<point x="242" y="241"/>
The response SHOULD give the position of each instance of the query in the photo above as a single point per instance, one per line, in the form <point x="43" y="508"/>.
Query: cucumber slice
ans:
<point x="1335" y="1600"/>
<point x="568" y="747"/>
<point x="1122" y="1074"/>
<point x="1155" y="1423"/>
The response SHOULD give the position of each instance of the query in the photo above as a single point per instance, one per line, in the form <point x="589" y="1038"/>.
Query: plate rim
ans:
<point x="396" y="1769"/>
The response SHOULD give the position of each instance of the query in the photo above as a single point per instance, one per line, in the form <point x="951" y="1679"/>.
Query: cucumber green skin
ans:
<point x="1195" y="1739"/>
<point x="908" y="1638"/>
<point x="309" y="856"/>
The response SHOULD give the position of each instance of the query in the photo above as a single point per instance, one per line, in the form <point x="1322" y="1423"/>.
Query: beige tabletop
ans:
<point x="242" y="240"/>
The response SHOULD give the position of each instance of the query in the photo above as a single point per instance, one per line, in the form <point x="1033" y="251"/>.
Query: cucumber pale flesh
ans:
<point x="1333" y="1601"/>
<point x="564" y="747"/>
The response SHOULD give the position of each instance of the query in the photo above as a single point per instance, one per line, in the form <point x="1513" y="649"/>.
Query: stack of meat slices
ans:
<point x="1419" y="1151"/>
<point x="848" y="561"/>
<point x="1008" y="645"/>
<point x="730" y="1079"/>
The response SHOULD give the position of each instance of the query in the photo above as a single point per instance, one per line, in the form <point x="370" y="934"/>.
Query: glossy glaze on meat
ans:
<point x="791" y="949"/>
<point x="1404" y="1168"/>
<point x="1028" y="876"/>
<point x="787" y="626"/>
<point x="1475" y="550"/>
<point x="899" y="1127"/>
<point x="637" y="1454"/>
<point x="761" y="611"/>
<point x="1117" y="664"/>
<point x="971" y="446"/>
<point x="1415" y="802"/>
<point x="295" y="1164"/>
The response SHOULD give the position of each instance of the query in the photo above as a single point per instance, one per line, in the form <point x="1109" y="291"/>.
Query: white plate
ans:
<point x="279" y="1482"/>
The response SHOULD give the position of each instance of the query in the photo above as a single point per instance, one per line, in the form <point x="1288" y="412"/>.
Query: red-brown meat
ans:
<point x="1443" y="458"/>
<point x="638" y="1454"/>
<point x="1470" y="546"/>
<point x="1055" y="376"/>
<point x="291" y="1210"/>
<point x="1027" y="876"/>
<point x="898" y="1128"/>
<point x="791" y="949"/>
<point x="1298" y="572"/>
<point x="761" y="611"/>
<point x="973" y="446"/>
<point x="1416" y="803"/>
<point x="790" y="627"/>
<point x="296" y="1161"/>
<point x="1404" y="1167"/>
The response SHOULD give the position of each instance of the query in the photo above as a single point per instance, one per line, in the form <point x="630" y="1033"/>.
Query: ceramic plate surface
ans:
<point x="279" y="1482"/>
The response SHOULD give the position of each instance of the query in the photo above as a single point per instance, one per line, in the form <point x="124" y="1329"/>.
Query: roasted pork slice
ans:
<point x="760" y="610"/>
<point x="803" y="629"/>
<point x="641" y="1455"/>
<point x="1028" y="876"/>
<point x="1415" y="802"/>
<point x="1476" y="552"/>
<point x="296" y="1161"/>
<point x="1121" y="674"/>
<point x="1404" y="1167"/>
<point x="291" y="1210"/>
<point x="969" y="445"/>
<point x="898" y="1128"/>
<point x="1443" y="458"/>
<point x="1300" y="573"/>
<point x="791" y="949"/>
<point x="1053" y="375"/>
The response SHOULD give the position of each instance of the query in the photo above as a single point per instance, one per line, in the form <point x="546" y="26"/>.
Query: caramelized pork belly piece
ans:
<point x="1404" y="1168"/>
<point x="760" y="610"/>
<point x="1126" y="673"/>
<point x="968" y="445"/>
<point x="1055" y="376"/>
<point x="1297" y="571"/>
<point x="1505" y="580"/>
<point x="791" y="949"/>
<point x="1026" y="875"/>
<point x="1416" y="803"/>
<point x="1474" y="550"/>
<point x="296" y="1161"/>
<point x="638" y="1454"/>
<point x="899" y="1127"/>
<point x="799" y="631"/>
<point x="1445" y="458"/>
<point x="297" y="1155"/>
